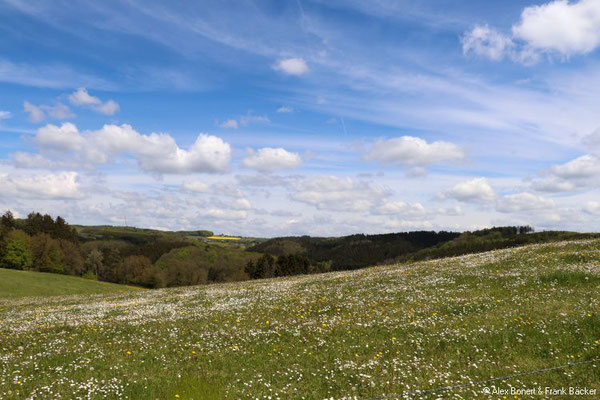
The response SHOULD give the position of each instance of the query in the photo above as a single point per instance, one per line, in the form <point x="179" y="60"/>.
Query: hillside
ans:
<point x="358" y="251"/>
<point x="15" y="284"/>
<point x="354" y="251"/>
<point x="405" y="330"/>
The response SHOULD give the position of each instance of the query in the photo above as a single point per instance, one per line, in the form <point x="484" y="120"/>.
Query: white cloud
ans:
<point x="285" y="109"/>
<point x="64" y="137"/>
<point x="553" y="185"/>
<point x="244" y="120"/>
<point x="82" y="98"/>
<point x="414" y="152"/>
<point x="156" y="152"/>
<point x="227" y="189"/>
<point x="581" y="173"/>
<point x="269" y="159"/>
<point x="291" y="66"/>
<point x="38" y="113"/>
<point x="5" y="115"/>
<point x="226" y="214"/>
<point x="199" y="187"/>
<point x="253" y="119"/>
<point x="333" y="193"/>
<point x="592" y="207"/>
<point x="561" y="26"/>
<point x="582" y="167"/>
<point x="400" y="208"/>
<point x="241" y="204"/>
<point x="474" y="190"/>
<point x="519" y="202"/>
<point x="230" y="124"/>
<point x="110" y="107"/>
<point x="45" y="186"/>
<point x="558" y="27"/>
<point x="59" y="111"/>
<point x="29" y="160"/>
<point x="592" y="142"/>
<point x="486" y="42"/>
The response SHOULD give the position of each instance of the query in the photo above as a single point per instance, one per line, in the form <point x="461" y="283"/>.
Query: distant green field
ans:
<point x="27" y="283"/>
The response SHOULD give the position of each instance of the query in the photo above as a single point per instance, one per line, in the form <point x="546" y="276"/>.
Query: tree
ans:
<point x="136" y="270"/>
<point x="47" y="254"/>
<point x="7" y="220"/>
<point x="15" y="251"/>
<point x="71" y="257"/>
<point x="112" y="258"/>
<point x="93" y="262"/>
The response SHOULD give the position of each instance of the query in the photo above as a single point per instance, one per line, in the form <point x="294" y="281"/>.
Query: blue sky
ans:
<point x="302" y="117"/>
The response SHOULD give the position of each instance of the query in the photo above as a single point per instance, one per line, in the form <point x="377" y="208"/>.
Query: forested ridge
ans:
<point x="157" y="259"/>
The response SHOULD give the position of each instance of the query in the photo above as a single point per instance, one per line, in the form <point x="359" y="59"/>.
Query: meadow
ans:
<point x="428" y="329"/>
<point x="16" y="284"/>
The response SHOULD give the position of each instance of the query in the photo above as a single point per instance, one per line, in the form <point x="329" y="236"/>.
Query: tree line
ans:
<point x="268" y="266"/>
<point x="42" y="243"/>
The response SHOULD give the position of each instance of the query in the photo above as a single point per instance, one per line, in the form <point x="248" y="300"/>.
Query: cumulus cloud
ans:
<point x="414" y="152"/>
<point x="82" y="98"/>
<point x="39" y="113"/>
<point x="291" y="66"/>
<point x="558" y="27"/>
<point x="269" y="159"/>
<point x="579" y="173"/>
<point x="582" y="167"/>
<point x="519" y="202"/>
<point x="45" y="186"/>
<point x="156" y="152"/>
<point x="561" y="26"/>
<point x="327" y="192"/>
<point x="474" y="190"/>
<point x="64" y="137"/>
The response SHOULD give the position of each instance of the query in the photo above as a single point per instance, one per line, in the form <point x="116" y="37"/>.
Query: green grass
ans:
<point x="14" y="284"/>
<point x="367" y="333"/>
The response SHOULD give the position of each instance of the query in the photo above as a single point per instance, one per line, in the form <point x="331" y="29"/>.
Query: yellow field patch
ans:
<point x="223" y="238"/>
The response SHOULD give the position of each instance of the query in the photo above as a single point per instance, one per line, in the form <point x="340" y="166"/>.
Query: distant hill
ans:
<point x="15" y="283"/>
<point x="132" y="234"/>
<point x="358" y="251"/>
<point x="354" y="251"/>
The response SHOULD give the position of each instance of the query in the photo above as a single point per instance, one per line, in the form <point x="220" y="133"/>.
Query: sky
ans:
<point x="270" y="118"/>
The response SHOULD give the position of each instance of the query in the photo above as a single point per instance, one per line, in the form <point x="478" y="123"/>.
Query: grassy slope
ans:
<point x="364" y="333"/>
<point x="14" y="284"/>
